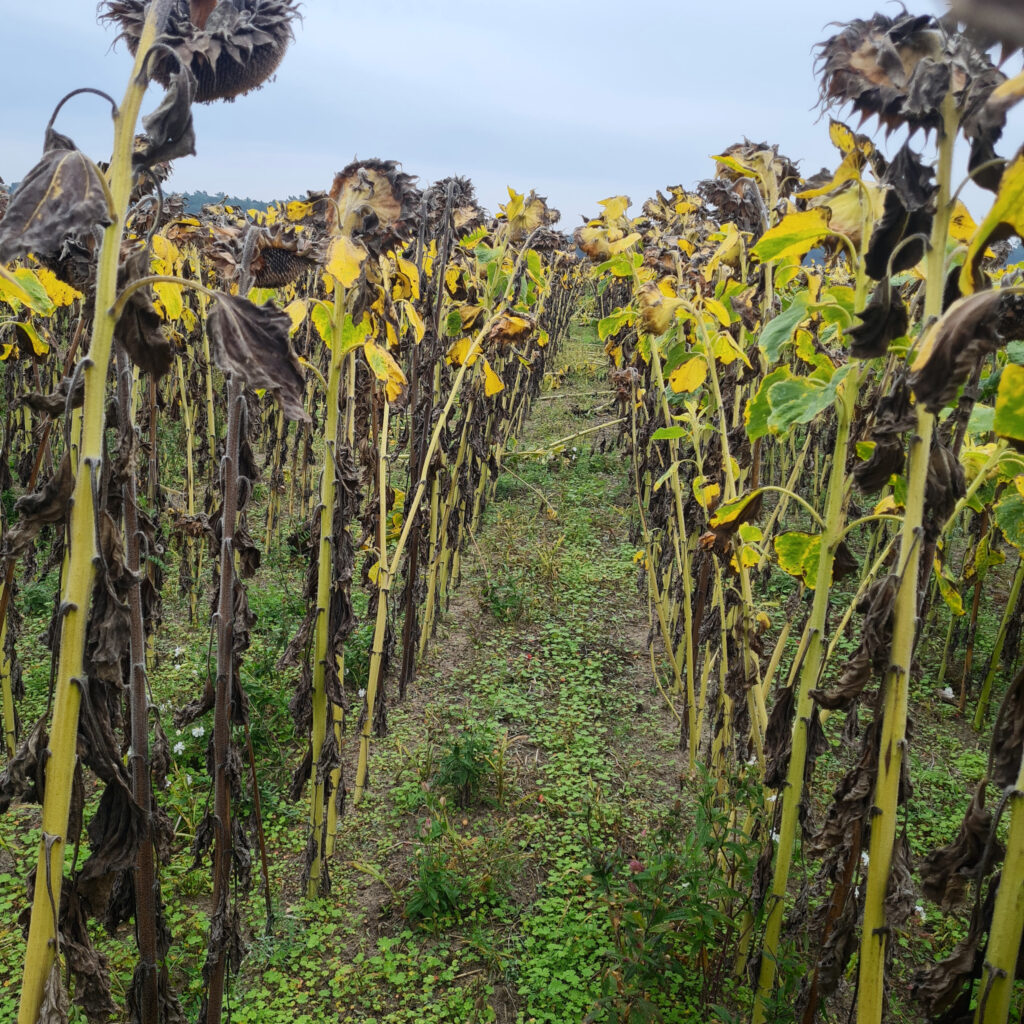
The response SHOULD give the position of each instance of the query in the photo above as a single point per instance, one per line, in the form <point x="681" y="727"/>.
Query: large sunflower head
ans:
<point x="232" y="47"/>
<point x="375" y="203"/>
<point x="900" y="70"/>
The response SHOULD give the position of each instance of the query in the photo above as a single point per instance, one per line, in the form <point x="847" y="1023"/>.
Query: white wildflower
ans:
<point x="919" y="913"/>
<point x="362" y="693"/>
<point x="198" y="731"/>
<point x="179" y="747"/>
<point x="864" y="858"/>
<point x="188" y="780"/>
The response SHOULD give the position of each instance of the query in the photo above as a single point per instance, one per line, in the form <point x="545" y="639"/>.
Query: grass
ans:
<point x="527" y="842"/>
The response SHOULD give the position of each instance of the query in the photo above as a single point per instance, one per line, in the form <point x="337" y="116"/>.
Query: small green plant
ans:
<point x="679" y="908"/>
<point x="506" y="595"/>
<point x="466" y="765"/>
<point x="456" y="873"/>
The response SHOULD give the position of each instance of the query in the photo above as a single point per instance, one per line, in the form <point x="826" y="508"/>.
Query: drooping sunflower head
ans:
<point x="236" y="49"/>
<point x="375" y="203"/>
<point x="457" y="196"/>
<point x="526" y="213"/>
<point x="900" y="70"/>
<point x="280" y="254"/>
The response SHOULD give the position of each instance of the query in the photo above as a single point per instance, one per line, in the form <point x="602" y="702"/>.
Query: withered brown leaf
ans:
<point x="139" y="328"/>
<point x="62" y="195"/>
<point x="251" y="342"/>
<point x="169" y="129"/>
<point x="972" y="328"/>
<point x="884" y="319"/>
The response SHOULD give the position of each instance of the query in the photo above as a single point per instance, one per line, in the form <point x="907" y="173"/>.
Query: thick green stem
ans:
<point x="1004" y="937"/>
<point x="325" y="563"/>
<point x="77" y="590"/>
<point x="997" y="652"/>
<point x="892" y="746"/>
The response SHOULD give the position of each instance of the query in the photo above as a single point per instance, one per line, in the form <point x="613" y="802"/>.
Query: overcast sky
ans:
<point x="578" y="99"/>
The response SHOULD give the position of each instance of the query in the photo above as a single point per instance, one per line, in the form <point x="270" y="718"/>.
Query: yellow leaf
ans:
<point x="729" y="250"/>
<point x="296" y="311"/>
<point x="408" y="270"/>
<point x="718" y="311"/>
<point x="298" y="210"/>
<point x="385" y="369"/>
<point x="165" y="255"/>
<point x="1005" y="218"/>
<point x="961" y="225"/>
<point x="614" y="207"/>
<point x="795" y="235"/>
<point x="887" y="505"/>
<point x="60" y="294"/>
<point x="707" y="494"/>
<point x="624" y="243"/>
<point x="543" y="338"/>
<point x="726" y="351"/>
<point x="418" y="327"/>
<point x="40" y="348"/>
<point x="170" y="298"/>
<point x="492" y="382"/>
<point x="345" y="260"/>
<point x="689" y="376"/>
<point x="459" y="352"/>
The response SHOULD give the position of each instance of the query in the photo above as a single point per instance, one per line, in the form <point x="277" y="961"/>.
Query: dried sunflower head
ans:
<point x="526" y="213"/>
<point x="900" y="69"/>
<point x="463" y="209"/>
<point x="375" y="203"/>
<point x="280" y="254"/>
<point x="238" y="47"/>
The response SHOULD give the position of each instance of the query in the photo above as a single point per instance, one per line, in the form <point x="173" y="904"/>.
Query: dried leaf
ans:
<point x="139" y="329"/>
<point x="48" y="504"/>
<point x="251" y="342"/>
<point x="169" y="129"/>
<point x="62" y="195"/>
<point x="884" y="319"/>
<point x="972" y="328"/>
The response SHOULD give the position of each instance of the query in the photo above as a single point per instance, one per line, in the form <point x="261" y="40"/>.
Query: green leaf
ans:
<point x="1008" y="420"/>
<point x="794" y="236"/>
<point x="982" y="419"/>
<point x="614" y="322"/>
<point x="1009" y="517"/>
<point x="668" y="434"/>
<point x="453" y="324"/>
<point x="799" y="554"/>
<point x="353" y="335"/>
<point x="758" y="408"/>
<point x="800" y="399"/>
<point x="779" y="331"/>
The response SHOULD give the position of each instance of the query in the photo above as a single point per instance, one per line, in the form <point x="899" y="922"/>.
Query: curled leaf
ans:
<point x="884" y="319"/>
<point x="251" y="342"/>
<point x="139" y="329"/>
<point x="169" y="129"/>
<point x="62" y="195"/>
<point x="971" y="328"/>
